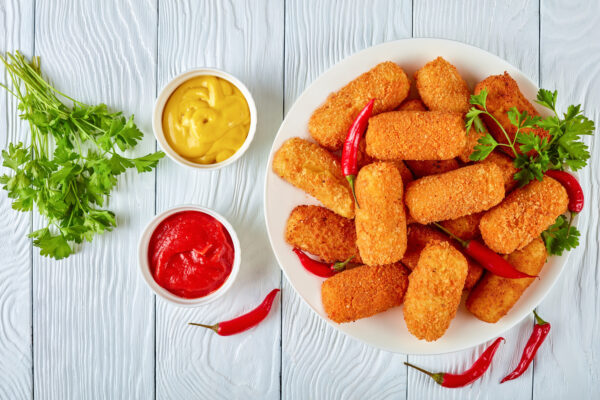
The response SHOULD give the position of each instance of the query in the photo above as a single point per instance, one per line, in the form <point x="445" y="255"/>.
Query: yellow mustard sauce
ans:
<point x="206" y="119"/>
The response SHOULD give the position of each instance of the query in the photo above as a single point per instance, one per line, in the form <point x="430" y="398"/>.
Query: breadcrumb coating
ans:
<point x="472" y="140"/>
<point x="416" y="135"/>
<point x="322" y="233"/>
<point x="441" y="87"/>
<point x="506" y="165"/>
<point x="380" y="217"/>
<point x="386" y="83"/>
<point x="466" y="227"/>
<point x="420" y="235"/>
<point x="503" y="94"/>
<point x="453" y="194"/>
<point x="363" y="291"/>
<point x="412" y="105"/>
<point x="434" y="290"/>
<point x="494" y="296"/>
<point x="421" y="168"/>
<point x="523" y="215"/>
<point x="313" y="169"/>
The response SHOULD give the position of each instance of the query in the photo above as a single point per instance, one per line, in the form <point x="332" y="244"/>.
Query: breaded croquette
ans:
<point x="405" y="173"/>
<point x="412" y="105"/>
<point x="453" y="194"/>
<point x="431" y="167"/>
<point x="494" y="296"/>
<point x="386" y="83"/>
<point x="503" y="94"/>
<point x="313" y="169"/>
<point x="441" y="87"/>
<point x="380" y="218"/>
<point x="466" y="227"/>
<point x="322" y="233"/>
<point x="523" y="215"/>
<point x="420" y="235"/>
<point x="434" y="291"/>
<point x="363" y="291"/>
<point x="416" y="135"/>
<point x="506" y="165"/>
<point x="362" y="158"/>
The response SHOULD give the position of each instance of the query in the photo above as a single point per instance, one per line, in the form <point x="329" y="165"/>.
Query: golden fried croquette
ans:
<point x="453" y="194"/>
<point x="503" y="94"/>
<point x="313" y="169"/>
<point x="421" y="168"/>
<point x="523" y="215"/>
<point x="405" y="173"/>
<point x="420" y="235"/>
<point x="441" y="87"/>
<point x="466" y="227"/>
<point x="416" y="135"/>
<point x="380" y="218"/>
<point x="506" y="165"/>
<point x="363" y="291"/>
<point x="386" y="83"/>
<point x="494" y="296"/>
<point x="434" y="290"/>
<point x="322" y="233"/>
<point x="362" y="158"/>
<point x="412" y="105"/>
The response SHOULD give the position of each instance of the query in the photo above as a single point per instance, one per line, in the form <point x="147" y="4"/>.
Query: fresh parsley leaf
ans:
<point x="472" y="119"/>
<point x="547" y="98"/>
<point x="72" y="164"/>
<point x="560" y="236"/>
<point x="486" y="145"/>
<point x="479" y="99"/>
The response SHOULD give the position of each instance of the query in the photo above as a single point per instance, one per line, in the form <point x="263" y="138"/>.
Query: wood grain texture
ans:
<point x="568" y="365"/>
<point x="16" y="22"/>
<point x="93" y="315"/>
<point x="509" y="30"/>
<point x="244" y="38"/>
<point x="317" y="360"/>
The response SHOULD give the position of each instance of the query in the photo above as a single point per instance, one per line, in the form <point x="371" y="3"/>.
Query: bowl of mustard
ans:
<point x="204" y="118"/>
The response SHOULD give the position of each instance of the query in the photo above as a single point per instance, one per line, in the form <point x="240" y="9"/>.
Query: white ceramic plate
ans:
<point x="388" y="330"/>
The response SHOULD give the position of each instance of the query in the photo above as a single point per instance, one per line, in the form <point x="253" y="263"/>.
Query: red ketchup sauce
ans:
<point x="191" y="254"/>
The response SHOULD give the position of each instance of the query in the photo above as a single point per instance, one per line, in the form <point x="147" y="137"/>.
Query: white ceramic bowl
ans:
<point x="166" y="92"/>
<point x="388" y="330"/>
<point x="145" y="265"/>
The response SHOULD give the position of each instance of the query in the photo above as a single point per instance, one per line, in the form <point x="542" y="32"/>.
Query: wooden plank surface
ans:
<point x="317" y="360"/>
<point x="509" y="30"/>
<point x="92" y="313"/>
<point x="245" y="39"/>
<point x="16" y="32"/>
<point x="568" y="365"/>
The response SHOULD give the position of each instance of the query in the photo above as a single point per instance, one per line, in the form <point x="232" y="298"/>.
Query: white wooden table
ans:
<point x="89" y="328"/>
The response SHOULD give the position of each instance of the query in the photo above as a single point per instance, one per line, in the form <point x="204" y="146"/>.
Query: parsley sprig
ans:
<point x="534" y="155"/>
<point x="71" y="166"/>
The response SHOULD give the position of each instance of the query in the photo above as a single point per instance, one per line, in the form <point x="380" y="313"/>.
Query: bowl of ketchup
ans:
<point x="189" y="255"/>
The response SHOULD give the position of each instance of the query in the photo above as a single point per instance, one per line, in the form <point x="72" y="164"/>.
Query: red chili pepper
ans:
<point x="469" y="376"/>
<point x="243" y="322"/>
<point x="487" y="258"/>
<point x="540" y="331"/>
<point x="350" y="149"/>
<point x="324" y="270"/>
<point x="573" y="187"/>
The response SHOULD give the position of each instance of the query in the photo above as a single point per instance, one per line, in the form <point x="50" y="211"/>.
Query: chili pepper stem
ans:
<point x="350" y="179"/>
<point x="340" y="266"/>
<point x="214" y="327"/>
<point x="538" y="319"/>
<point x="437" y="377"/>
<point x="464" y="243"/>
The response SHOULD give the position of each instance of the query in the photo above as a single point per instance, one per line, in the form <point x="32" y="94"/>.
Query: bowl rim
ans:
<point x="318" y="80"/>
<point x="144" y="265"/>
<point x="166" y="92"/>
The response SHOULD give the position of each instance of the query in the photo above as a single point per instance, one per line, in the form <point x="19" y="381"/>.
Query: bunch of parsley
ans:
<point x="534" y="155"/>
<point x="72" y="163"/>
